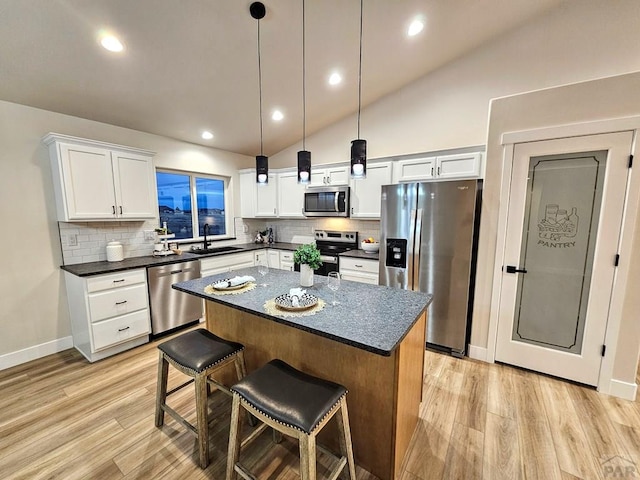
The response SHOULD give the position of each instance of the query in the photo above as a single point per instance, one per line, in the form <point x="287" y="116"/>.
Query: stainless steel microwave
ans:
<point x="326" y="202"/>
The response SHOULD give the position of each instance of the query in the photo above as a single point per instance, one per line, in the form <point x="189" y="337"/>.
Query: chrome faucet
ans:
<point x="205" y="230"/>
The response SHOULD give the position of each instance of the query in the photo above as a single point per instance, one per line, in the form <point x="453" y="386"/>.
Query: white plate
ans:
<point x="305" y="302"/>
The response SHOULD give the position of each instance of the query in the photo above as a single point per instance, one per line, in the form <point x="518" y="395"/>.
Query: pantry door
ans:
<point x="566" y="203"/>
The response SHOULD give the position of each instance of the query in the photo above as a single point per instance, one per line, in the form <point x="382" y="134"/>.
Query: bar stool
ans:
<point x="293" y="403"/>
<point x="198" y="354"/>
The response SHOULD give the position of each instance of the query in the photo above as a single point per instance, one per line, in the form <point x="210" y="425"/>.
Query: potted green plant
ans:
<point x="308" y="257"/>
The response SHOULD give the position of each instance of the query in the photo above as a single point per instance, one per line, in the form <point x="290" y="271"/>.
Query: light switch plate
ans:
<point x="149" y="235"/>
<point x="73" y="240"/>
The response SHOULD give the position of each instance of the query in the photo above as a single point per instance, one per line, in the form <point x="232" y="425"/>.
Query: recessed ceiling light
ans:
<point x="207" y="135"/>
<point x="277" y="115"/>
<point x="335" y="79"/>
<point x="415" y="28"/>
<point x="111" y="43"/>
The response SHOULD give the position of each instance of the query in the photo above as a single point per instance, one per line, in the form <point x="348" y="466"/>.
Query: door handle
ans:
<point x="113" y="209"/>
<point x="120" y="209"/>
<point x="512" y="269"/>
<point x="173" y="272"/>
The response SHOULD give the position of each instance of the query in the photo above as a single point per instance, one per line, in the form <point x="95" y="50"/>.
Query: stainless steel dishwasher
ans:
<point x="169" y="307"/>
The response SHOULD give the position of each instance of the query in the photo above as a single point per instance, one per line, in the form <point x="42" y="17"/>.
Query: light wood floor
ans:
<point x="61" y="417"/>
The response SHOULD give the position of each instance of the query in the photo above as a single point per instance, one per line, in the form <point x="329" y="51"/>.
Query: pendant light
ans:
<point x="359" y="146"/>
<point x="304" y="156"/>
<point x="258" y="11"/>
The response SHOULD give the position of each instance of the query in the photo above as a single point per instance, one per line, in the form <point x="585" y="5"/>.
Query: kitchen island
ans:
<point x="372" y="343"/>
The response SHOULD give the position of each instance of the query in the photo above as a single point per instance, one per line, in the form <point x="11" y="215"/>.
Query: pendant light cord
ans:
<point x="304" y="83"/>
<point x="360" y="71"/>
<point x="260" y="87"/>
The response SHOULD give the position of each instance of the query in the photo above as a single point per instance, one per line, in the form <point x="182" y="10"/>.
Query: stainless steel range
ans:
<point x="331" y="244"/>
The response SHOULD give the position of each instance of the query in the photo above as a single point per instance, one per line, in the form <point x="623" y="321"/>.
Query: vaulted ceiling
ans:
<point x="192" y="65"/>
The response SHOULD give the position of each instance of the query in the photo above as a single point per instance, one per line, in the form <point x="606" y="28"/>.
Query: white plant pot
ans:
<point x="306" y="275"/>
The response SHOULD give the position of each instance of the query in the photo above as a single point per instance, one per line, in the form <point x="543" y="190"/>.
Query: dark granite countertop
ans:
<point x="370" y="317"/>
<point x="99" y="268"/>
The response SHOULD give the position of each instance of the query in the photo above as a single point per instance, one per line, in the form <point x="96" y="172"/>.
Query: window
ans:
<point x="188" y="201"/>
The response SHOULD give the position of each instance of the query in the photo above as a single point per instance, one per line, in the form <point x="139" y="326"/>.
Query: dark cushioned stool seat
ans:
<point x="296" y="404"/>
<point x="199" y="349"/>
<point x="198" y="354"/>
<point x="288" y="395"/>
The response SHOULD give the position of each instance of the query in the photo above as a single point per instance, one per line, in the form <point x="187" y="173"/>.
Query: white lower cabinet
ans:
<point x="226" y="263"/>
<point x="280" y="259"/>
<point x="359" y="270"/>
<point x="109" y="313"/>
<point x="286" y="260"/>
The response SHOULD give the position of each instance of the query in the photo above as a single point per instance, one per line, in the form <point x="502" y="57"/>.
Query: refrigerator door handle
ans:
<point x="416" y="250"/>
<point x="410" y="248"/>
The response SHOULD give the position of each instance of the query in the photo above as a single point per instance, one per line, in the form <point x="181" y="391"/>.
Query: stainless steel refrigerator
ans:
<point x="428" y="240"/>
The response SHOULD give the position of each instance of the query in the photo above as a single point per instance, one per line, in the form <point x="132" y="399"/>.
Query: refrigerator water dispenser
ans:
<point x="396" y="252"/>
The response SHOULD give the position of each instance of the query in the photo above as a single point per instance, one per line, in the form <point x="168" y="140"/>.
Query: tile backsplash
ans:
<point x="84" y="242"/>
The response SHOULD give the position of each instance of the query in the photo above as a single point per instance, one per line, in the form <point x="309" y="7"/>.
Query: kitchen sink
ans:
<point x="203" y="251"/>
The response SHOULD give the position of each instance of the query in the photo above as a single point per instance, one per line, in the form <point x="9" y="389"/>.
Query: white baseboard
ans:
<point x="625" y="390"/>
<point x="478" y="353"/>
<point x="37" y="351"/>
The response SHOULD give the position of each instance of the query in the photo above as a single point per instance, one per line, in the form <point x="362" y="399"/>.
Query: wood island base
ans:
<point x="384" y="392"/>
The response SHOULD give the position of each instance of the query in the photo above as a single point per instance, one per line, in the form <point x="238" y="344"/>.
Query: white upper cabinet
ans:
<point x="441" y="167"/>
<point x="267" y="198"/>
<point x="463" y="165"/>
<point x="99" y="181"/>
<point x="247" y="194"/>
<point x="290" y="195"/>
<point x="365" y="192"/>
<point x="329" y="175"/>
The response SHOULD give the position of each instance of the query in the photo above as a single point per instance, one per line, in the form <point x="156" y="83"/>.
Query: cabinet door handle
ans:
<point x="123" y="329"/>
<point x="432" y="171"/>
<point x="119" y="281"/>
<point x="274" y="211"/>
<point x="324" y="180"/>
<point x="121" y="303"/>
<point x="113" y="209"/>
<point x="120" y="210"/>
<point x="438" y="170"/>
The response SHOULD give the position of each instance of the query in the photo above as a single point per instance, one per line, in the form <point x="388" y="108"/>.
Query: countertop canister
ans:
<point x="115" y="252"/>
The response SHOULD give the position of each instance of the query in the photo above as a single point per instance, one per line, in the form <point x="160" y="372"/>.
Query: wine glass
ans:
<point x="333" y="283"/>
<point x="263" y="269"/>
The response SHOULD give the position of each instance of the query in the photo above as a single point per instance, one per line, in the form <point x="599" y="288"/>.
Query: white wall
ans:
<point x="34" y="306"/>
<point x="579" y="41"/>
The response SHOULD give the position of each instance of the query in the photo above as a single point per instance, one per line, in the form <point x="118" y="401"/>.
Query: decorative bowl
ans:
<point x="370" y="247"/>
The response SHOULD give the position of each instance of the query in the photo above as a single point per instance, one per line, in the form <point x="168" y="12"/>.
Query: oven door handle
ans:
<point x="329" y="259"/>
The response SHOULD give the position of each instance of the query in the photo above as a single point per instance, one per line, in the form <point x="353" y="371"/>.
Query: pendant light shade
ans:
<point x="359" y="158"/>
<point x="304" y="156"/>
<point x="262" y="169"/>
<point x="359" y="146"/>
<point x="258" y="11"/>
<point x="304" y="166"/>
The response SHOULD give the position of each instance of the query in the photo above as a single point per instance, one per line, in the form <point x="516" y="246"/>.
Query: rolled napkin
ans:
<point x="294" y="295"/>
<point x="233" y="282"/>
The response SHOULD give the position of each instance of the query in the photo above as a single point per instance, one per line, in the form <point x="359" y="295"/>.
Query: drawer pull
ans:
<point x="123" y="329"/>
<point x="358" y="266"/>
<point x="121" y="303"/>
<point x="119" y="281"/>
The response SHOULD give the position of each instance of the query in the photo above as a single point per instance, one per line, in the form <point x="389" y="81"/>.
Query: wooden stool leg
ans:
<point x="235" y="432"/>
<point x="241" y="369"/>
<point x="202" y="410"/>
<point x="346" y="448"/>
<point x="307" y="456"/>
<point x="161" y="389"/>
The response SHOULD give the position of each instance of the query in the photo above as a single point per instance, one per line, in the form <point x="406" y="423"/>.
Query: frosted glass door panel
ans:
<point x="564" y="195"/>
